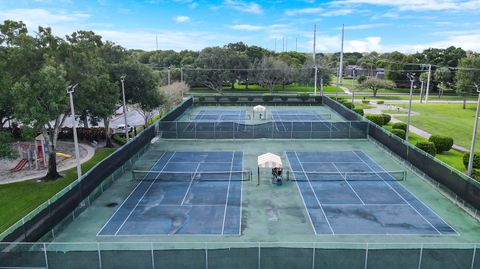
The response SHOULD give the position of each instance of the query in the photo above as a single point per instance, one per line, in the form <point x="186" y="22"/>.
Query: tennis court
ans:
<point x="212" y="115"/>
<point x="295" y="115"/>
<point x="196" y="193"/>
<point x="347" y="192"/>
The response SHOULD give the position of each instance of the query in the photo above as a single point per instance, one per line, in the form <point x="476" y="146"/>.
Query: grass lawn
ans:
<point x="18" y="199"/>
<point x="277" y="89"/>
<point x="451" y="157"/>
<point x="445" y="119"/>
<point x="389" y="111"/>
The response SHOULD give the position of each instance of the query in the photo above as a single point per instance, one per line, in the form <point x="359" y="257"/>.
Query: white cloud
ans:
<point x="248" y="7"/>
<point x="364" y="45"/>
<point x="313" y="10"/>
<point x="418" y="5"/>
<point x="181" y="19"/>
<point x="364" y="26"/>
<point x="338" y="12"/>
<point x="247" y="27"/>
<point x="42" y="17"/>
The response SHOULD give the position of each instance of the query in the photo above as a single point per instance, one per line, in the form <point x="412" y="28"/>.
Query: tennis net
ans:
<point x="347" y="176"/>
<point x="162" y="176"/>
<point x="219" y="117"/>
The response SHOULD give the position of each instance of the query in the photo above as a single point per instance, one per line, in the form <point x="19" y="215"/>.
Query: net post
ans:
<point x="473" y="257"/>
<point x="420" y="257"/>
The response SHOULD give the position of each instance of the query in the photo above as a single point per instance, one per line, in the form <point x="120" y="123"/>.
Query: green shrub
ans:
<point x="267" y="98"/>
<point x="475" y="174"/>
<point x="365" y="101"/>
<point x="201" y="98"/>
<point x="375" y="118"/>
<point x="442" y="143"/>
<point x="233" y="98"/>
<point x="428" y="147"/>
<point x="476" y="160"/>
<point x="380" y="102"/>
<point x="218" y="98"/>
<point x="348" y="105"/>
<point x="358" y="111"/>
<point x="119" y="139"/>
<point x="304" y="96"/>
<point x="386" y="118"/>
<point x="400" y="125"/>
<point x="399" y="132"/>
<point x="250" y="98"/>
<point x="341" y="100"/>
<point x="361" y="79"/>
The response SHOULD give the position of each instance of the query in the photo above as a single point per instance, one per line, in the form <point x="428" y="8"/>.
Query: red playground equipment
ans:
<point x="32" y="154"/>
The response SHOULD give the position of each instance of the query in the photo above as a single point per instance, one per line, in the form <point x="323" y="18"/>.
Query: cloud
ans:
<point x="181" y="19"/>
<point x="338" y="12"/>
<point x="364" y="26"/>
<point x="248" y="7"/>
<point x="42" y="17"/>
<point x="418" y="5"/>
<point x="247" y="27"/>
<point x="294" y="12"/>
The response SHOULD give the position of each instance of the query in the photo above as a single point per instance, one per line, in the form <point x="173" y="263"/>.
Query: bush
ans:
<point x="475" y="174"/>
<point x="201" y="98"/>
<point x="380" y="102"/>
<point x="119" y="139"/>
<point x="400" y="126"/>
<point x="358" y="111"/>
<point x="267" y="98"/>
<point x="361" y="79"/>
<point x="428" y="147"/>
<point x="284" y="98"/>
<point x="442" y="143"/>
<point x="233" y="98"/>
<point x="251" y="98"/>
<point x="375" y="118"/>
<point x="476" y="160"/>
<point x="348" y="105"/>
<point x="365" y="101"/>
<point x="386" y="118"/>
<point x="304" y="96"/>
<point x="399" y="132"/>
<point x="218" y="98"/>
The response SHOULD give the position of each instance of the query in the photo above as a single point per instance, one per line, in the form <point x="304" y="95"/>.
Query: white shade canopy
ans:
<point x="259" y="108"/>
<point x="269" y="160"/>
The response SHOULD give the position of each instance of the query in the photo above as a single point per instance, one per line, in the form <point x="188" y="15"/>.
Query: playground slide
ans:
<point x="20" y="165"/>
<point x="64" y="155"/>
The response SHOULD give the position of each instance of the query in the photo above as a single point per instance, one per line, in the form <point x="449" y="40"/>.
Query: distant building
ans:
<point x="359" y="71"/>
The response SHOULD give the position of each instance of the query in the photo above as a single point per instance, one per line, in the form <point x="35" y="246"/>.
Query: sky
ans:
<point x="370" y="25"/>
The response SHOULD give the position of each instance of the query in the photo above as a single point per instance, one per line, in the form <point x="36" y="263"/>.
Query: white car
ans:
<point x="120" y="129"/>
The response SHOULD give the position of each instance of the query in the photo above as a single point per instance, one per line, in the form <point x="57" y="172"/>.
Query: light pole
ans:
<point x="411" y="77"/>
<point x="354" y="71"/>
<point x="70" y="91"/>
<point x="474" y="137"/>
<point x="122" y="79"/>
<point x="168" y="75"/>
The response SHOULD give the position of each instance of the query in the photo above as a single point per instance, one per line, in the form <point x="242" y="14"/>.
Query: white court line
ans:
<point x="301" y="196"/>
<point x="344" y="178"/>
<point x="228" y="191"/>
<point x="241" y="197"/>
<point x="141" y="198"/>
<point x="124" y="201"/>
<point x="191" y="182"/>
<point x="398" y="194"/>
<point x="313" y="190"/>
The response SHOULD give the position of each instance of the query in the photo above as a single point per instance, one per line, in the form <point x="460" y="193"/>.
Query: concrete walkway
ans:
<point x="378" y="110"/>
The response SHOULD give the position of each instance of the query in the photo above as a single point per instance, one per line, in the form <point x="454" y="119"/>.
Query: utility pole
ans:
<point x="411" y="77"/>
<point x="421" y="91"/>
<point x="341" y="55"/>
<point x="283" y="44"/>
<point x="286" y="44"/>
<point x="474" y="137"/>
<point x="122" y="79"/>
<point x="168" y="76"/>
<point x="275" y="49"/>
<point x="315" y="59"/>
<point x="156" y="39"/>
<point x="70" y="91"/>
<point x="296" y="44"/>
<point x="181" y="73"/>
<point x="428" y="83"/>
<point x="353" y="87"/>
<point x="321" y="86"/>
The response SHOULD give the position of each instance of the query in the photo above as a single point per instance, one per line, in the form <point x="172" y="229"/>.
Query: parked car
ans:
<point x="120" y="129"/>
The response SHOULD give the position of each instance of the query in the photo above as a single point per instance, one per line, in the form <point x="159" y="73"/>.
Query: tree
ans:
<point x="444" y="77"/>
<point x="375" y="84"/>
<point x="467" y="75"/>
<point x="270" y="71"/>
<point x="212" y="68"/>
<point x="42" y="102"/>
<point x="6" y="150"/>
<point x="173" y="93"/>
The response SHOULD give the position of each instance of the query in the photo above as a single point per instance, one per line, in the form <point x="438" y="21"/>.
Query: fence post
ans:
<point x="45" y="254"/>
<point x="420" y="258"/>
<point x="99" y="256"/>
<point x="313" y="256"/>
<point x="206" y="255"/>
<point x="259" y="255"/>
<point x="366" y="256"/>
<point x="473" y="257"/>
<point x="153" y="256"/>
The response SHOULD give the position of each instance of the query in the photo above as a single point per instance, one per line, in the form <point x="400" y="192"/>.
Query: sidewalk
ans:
<point x="378" y="110"/>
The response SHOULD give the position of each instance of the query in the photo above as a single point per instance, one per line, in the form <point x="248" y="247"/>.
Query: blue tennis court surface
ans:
<point x="213" y="115"/>
<point x="294" y="115"/>
<point x="367" y="206"/>
<point x="190" y="207"/>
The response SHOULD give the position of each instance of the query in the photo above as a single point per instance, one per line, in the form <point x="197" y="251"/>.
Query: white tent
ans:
<point x="259" y="108"/>
<point x="269" y="160"/>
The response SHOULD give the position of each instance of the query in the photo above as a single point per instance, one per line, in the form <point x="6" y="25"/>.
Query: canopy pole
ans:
<point x="258" y="176"/>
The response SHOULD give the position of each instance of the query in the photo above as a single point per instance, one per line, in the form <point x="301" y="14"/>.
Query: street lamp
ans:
<point x="474" y="137"/>
<point x="70" y="91"/>
<point x="411" y="77"/>
<point x="354" y="71"/>
<point x="122" y="79"/>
